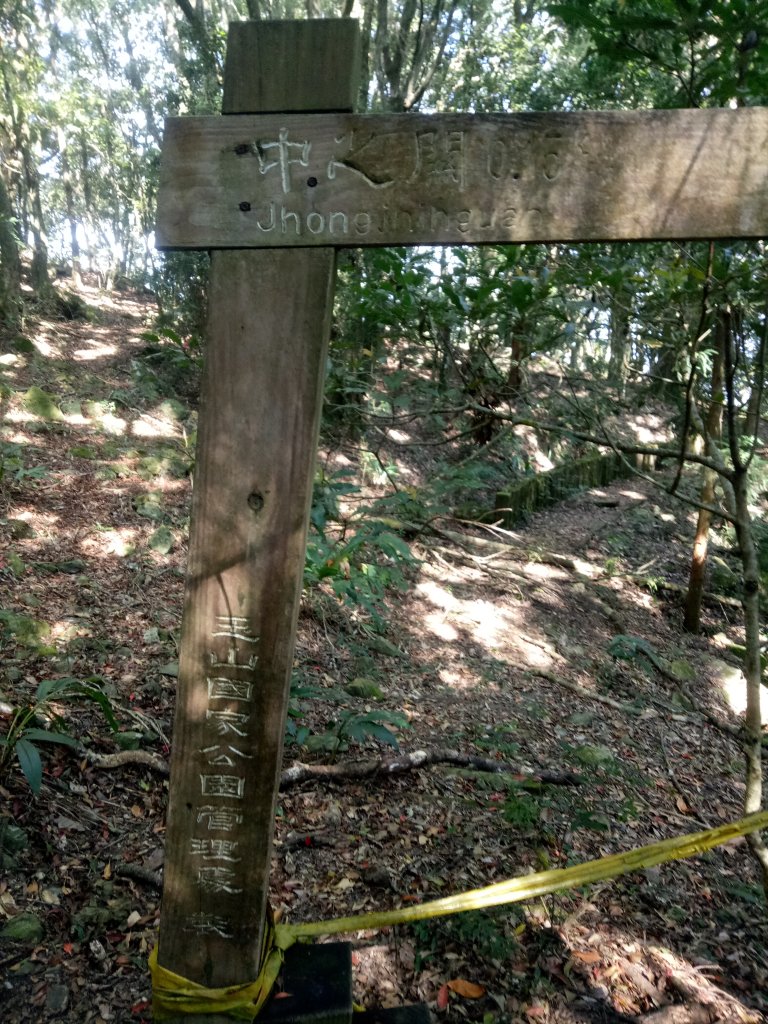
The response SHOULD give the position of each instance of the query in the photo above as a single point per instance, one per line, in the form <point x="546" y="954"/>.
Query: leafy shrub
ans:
<point x="360" y="558"/>
<point x="24" y="735"/>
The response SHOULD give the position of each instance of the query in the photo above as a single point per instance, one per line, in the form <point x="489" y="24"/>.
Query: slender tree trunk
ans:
<point x="619" y="364"/>
<point x="714" y="431"/>
<point x="739" y="479"/>
<point x="10" y="261"/>
<point x="753" y="726"/>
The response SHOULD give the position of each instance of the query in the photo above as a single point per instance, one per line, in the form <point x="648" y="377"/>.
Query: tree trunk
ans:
<point x="753" y="726"/>
<point x="714" y="431"/>
<point x="10" y="261"/>
<point x="619" y="365"/>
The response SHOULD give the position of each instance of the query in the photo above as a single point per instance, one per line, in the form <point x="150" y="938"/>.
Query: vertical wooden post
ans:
<point x="268" y="328"/>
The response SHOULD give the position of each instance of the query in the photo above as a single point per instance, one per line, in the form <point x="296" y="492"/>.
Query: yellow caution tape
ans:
<point x="174" y="995"/>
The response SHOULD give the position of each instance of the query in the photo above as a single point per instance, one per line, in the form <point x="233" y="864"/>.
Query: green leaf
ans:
<point x="26" y="928"/>
<point x="43" y="736"/>
<point x="161" y="540"/>
<point x="31" y="765"/>
<point x="361" y="687"/>
<point x="48" y="688"/>
<point x="382" y="734"/>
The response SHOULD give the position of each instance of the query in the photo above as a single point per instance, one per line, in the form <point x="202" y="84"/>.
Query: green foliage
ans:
<point x="629" y="648"/>
<point x="24" y="736"/>
<point x="522" y="810"/>
<point x="356" y="558"/>
<point x="491" y="934"/>
<point x="357" y="727"/>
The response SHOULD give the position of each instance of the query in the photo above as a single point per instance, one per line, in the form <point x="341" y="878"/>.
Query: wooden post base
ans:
<point x="317" y="989"/>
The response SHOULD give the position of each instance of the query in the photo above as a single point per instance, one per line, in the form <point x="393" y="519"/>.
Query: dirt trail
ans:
<point x="544" y="667"/>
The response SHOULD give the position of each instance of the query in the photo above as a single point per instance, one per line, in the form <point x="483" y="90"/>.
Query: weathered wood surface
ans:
<point x="453" y="178"/>
<point x="327" y="52"/>
<point x="268" y="326"/>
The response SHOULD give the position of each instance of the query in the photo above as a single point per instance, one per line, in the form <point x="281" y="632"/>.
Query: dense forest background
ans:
<point x="459" y="380"/>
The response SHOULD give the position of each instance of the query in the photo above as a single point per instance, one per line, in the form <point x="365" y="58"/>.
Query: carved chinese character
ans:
<point x="228" y="721"/>
<point x="208" y="924"/>
<point x="222" y="785"/>
<point x="440" y="156"/>
<point x="222" y="757"/>
<point x="235" y="627"/>
<point x="220" y="688"/>
<point x="217" y="880"/>
<point x="214" y="849"/>
<point x="249" y="663"/>
<point x="219" y="819"/>
<point x="283" y="158"/>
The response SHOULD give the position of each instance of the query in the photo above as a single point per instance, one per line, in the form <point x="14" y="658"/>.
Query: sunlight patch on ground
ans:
<point x="153" y="426"/>
<point x="45" y="348"/>
<point x="398" y="435"/>
<point x="540" y="571"/>
<point x="732" y="683"/>
<point x="97" y="350"/>
<point x="43" y="523"/>
<point x="113" y="543"/>
<point x="113" y="424"/>
<point x="459" y="677"/>
<point x="634" y="495"/>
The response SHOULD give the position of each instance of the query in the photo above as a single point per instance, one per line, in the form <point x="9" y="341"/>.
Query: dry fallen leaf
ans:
<point x="442" y="997"/>
<point x="590" y="956"/>
<point x="468" y="989"/>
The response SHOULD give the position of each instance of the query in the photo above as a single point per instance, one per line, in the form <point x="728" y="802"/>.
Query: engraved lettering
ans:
<point x="351" y="162"/>
<point x="440" y="156"/>
<point x="438" y="220"/>
<point x="285" y="216"/>
<point x="361" y="222"/>
<point x="219" y="819"/>
<point x="220" y="688"/>
<point x="232" y="661"/>
<point x="222" y="757"/>
<point x="214" y="849"/>
<point x="228" y="721"/>
<point x="342" y="219"/>
<point x="283" y="158"/>
<point x="208" y="924"/>
<point x="222" y="785"/>
<point x="271" y="225"/>
<point x="551" y="165"/>
<point x="315" y="223"/>
<point x="497" y="159"/>
<point x="463" y="220"/>
<point x="235" y="627"/>
<point x="509" y="217"/>
<point x="217" y="879"/>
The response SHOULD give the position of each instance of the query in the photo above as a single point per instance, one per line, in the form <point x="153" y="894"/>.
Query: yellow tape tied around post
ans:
<point x="175" y="996"/>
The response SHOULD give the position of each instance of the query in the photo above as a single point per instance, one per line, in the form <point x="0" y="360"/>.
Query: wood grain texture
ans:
<point x="268" y="327"/>
<point x="322" y="56"/>
<point x="347" y="180"/>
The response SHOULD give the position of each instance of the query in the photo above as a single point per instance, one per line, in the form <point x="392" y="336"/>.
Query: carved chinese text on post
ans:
<point x="230" y="675"/>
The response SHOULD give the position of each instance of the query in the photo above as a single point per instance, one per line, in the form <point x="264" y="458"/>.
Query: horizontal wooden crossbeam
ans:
<point x="354" y="180"/>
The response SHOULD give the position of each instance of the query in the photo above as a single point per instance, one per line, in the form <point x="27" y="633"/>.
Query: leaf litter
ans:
<point x="512" y="659"/>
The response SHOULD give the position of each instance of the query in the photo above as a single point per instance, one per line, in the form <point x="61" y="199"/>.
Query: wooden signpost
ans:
<point x="268" y="326"/>
<point x="274" y="190"/>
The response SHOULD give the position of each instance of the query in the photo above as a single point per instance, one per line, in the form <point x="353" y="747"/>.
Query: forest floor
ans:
<point x="574" y="665"/>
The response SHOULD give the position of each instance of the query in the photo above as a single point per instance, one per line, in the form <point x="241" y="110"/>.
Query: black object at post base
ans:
<point x="316" y="988"/>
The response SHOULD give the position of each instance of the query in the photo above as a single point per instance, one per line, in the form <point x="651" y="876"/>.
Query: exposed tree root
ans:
<point x="391" y="765"/>
<point x="404" y="762"/>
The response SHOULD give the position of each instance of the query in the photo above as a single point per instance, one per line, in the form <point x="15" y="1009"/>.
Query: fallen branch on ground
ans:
<point x="404" y="762"/>
<point x="390" y="765"/>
